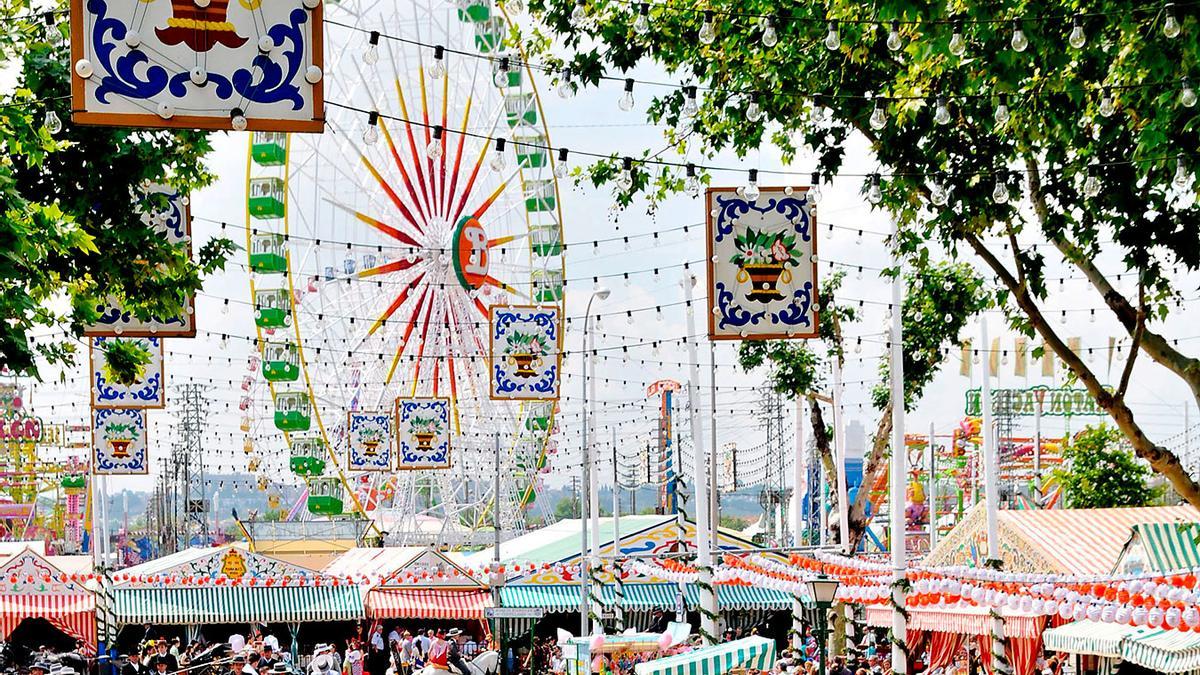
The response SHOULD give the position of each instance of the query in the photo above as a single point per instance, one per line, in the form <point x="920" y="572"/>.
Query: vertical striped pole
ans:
<point x="618" y="582"/>
<point x="899" y="470"/>
<point x="798" y="529"/>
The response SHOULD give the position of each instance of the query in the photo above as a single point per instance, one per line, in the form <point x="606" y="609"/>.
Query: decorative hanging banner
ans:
<point x="171" y="216"/>
<point x="146" y="391"/>
<point x="201" y="64"/>
<point x="526" y="352"/>
<point x="119" y="441"/>
<point x="1060" y="402"/>
<point x="422" y="433"/>
<point x="762" y="266"/>
<point x="370" y="441"/>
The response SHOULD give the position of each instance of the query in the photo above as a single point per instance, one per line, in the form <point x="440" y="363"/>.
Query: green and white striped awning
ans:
<point x="1087" y="637"/>
<point x="752" y="652"/>
<point x="565" y="597"/>
<point x="1170" y="546"/>
<point x="237" y="604"/>
<point x="1165" y="651"/>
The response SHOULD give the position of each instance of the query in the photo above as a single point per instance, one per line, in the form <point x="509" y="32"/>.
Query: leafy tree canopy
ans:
<point x="1099" y="473"/>
<point x="70" y="233"/>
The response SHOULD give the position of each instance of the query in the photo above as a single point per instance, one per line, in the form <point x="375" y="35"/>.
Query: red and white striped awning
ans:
<point x="427" y="603"/>
<point x="965" y="620"/>
<point x="73" y="614"/>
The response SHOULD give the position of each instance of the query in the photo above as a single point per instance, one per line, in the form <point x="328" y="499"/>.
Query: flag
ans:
<point x="1047" y="361"/>
<point x="1020" y="346"/>
<point x="964" y="368"/>
<point x="994" y="357"/>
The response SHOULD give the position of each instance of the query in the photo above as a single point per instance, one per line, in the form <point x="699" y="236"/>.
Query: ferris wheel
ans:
<point x="378" y="248"/>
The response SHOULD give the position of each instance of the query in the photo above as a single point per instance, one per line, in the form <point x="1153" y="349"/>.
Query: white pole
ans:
<point x="898" y="468"/>
<point x="991" y="491"/>
<point x="618" y="586"/>
<point x="1037" y="448"/>
<point x="798" y="518"/>
<point x="585" y="466"/>
<point x="932" y="496"/>
<point x="708" y="600"/>
<point x="822" y="496"/>
<point x="714" y="517"/>
<point x="839" y="442"/>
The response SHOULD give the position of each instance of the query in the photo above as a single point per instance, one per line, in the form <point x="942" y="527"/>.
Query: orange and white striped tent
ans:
<point x="32" y="586"/>
<point x="1053" y="541"/>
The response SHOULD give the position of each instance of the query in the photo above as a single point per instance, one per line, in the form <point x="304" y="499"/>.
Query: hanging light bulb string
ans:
<point x="628" y="83"/>
<point x="631" y="161"/>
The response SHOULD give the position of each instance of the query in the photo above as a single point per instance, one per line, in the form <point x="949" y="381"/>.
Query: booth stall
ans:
<point x="33" y="587"/>
<point x="748" y="654"/>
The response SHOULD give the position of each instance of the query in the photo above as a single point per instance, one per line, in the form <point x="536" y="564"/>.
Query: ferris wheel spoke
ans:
<point x="391" y="193"/>
<point x="466" y="193"/>
<point x="416" y="380"/>
<point x="400" y="346"/>
<point x="395" y="304"/>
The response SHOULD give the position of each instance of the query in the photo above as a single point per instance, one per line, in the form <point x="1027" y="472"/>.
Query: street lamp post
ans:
<point x="822" y="589"/>
<point x="585" y="579"/>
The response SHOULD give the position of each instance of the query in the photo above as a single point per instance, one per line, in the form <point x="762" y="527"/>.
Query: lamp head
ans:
<point x="823" y="590"/>
<point x="602" y="293"/>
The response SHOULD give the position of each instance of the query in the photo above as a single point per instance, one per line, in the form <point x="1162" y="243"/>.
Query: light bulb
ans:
<point x="371" y="133"/>
<point x="51" y="123"/>
<point x="1187" y="95"/>
<point x="1091" y="186"/>
<point x="561" y="169"/>
<point x="814" y="190"/>
<point x="515" y="7"/>
<point x="501" y="76"/>
<point x="875" y="193"/>
<point x="1107" y="108"/>
<point x="1018" y="42"/>
<point x="641" y="25"/>
<point x="625" y="177"/>
<point x="941" y="113"/>
<point x="566" y="88"/>
<point x="438" y="68"/>
<point x="692" y="185"/>
<point x="626" y="101"/>
<point x="958" y="44"/>
<point x="833" y="41"/>
<point x="752" y="192"/>
<point x="371" y="54"/>
<point x="754" y="111"/>
<point x="434" y="149"/>
<point x="496" y="163"/>
<point x="894" y="43"/>
<point x="1170" y="23"/>
<point x="237" y="119"/>
<point x="1181" y="173"/>
<point x="708" y="34"/>
<point x="1077" y="38"/>
<point x="769" y="37"/>
<point x="579" y="15"/>
<point x="690" y="105"/>
<point x="1002" y="115"/>
<point x="937" y="193"/>
<point x="1000" y="191"/>
<point x="878" y="118"/>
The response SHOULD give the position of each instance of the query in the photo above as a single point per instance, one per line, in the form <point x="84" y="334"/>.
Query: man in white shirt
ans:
<point x="424" y="641"/>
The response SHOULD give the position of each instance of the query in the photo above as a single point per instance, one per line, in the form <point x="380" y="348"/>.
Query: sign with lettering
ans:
<point x="1056" y="402"/>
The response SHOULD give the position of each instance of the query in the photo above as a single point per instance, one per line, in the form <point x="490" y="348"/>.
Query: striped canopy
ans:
<point x="1087" y="637"/>
<point x="1165" y="651"/>
<point x="1170" y="546"/>
<point x="752" y="652"/>
<point x="427" y="603"/>
<point x="565" y="597"/>
<point x="237" y="604"/>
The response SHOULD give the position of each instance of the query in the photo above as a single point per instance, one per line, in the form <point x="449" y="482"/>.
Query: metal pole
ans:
<point x="798" y="519"/>
<point x="618" y="583"/>
<point x="715" y="517"/>
<point x="593" y="551"/>
<point x="1037" y="444"/>
<point x="991" y="493"/>
<point x="932" y="496"/>
<point x="839" y="441"/>
<point x="583" y="483"/>
<point x="823" y="638"/>
<point x="708" y="600"/>
<point x="497" y="623"/>
<point x="898" y="469"/>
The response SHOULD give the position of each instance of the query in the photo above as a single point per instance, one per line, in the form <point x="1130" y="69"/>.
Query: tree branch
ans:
<point x="1155" y="345"/>
<point x="1161" y="459"/>
<point x="1135" y="346"/>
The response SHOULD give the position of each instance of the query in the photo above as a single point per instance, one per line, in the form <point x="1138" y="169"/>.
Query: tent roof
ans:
<point x="1076" y="541"/>
<point x="394" y="560"/>
<point x="1167" y="546"/>
<point x="211" y="561"/>
<point x="560" y="542"/>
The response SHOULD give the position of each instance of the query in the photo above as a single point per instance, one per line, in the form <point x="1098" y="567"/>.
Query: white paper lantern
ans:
<point x="1191" y="617"/>
<point x="1066" y="610"/>
<point x="1092" y="612"/>
<point x="1079" y="612"/>
<point x="1154" y="618"/>
<point x="1026" y="603"/>
<point x="1171" y="618"/>
<point x="1050" y="607"/>
<point x="1121" y="615"/>
<point x="1139" y="616"/>
<point x="1108" y="614"/>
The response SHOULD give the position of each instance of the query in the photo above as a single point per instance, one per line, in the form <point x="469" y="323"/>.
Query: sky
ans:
<point x="592" y="121"/>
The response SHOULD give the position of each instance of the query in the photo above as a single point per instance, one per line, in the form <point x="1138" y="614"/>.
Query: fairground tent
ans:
<point x="548" y="561"/>
<point x="1156" y="649"/>
<point x="229" y="585"/>
<point x="756" y="653"/>
<point x="419" y="583"/>
<point x="1160" y="547"/>
<point x="31" y="586"/>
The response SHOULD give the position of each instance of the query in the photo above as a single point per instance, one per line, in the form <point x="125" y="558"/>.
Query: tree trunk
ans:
<point x="876" y="464"/>
<point x="1162" y="460"/>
